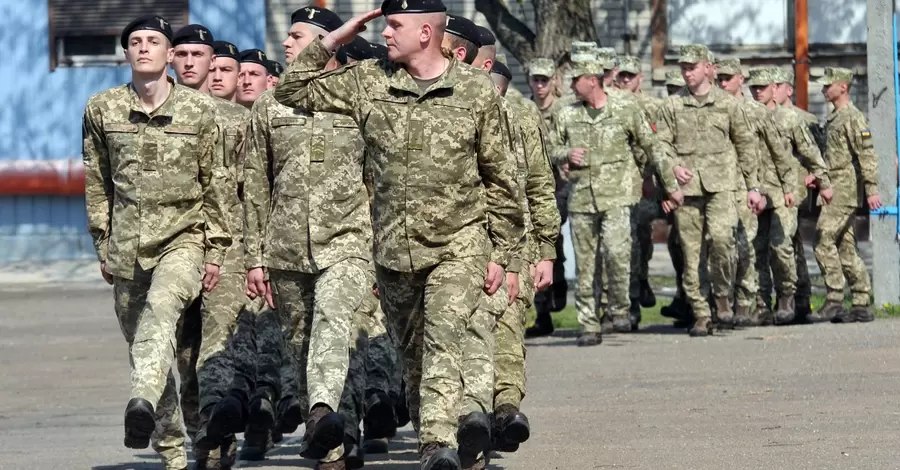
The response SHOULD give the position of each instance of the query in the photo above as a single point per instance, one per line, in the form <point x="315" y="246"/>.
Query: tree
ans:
<point x="557" y="24"/>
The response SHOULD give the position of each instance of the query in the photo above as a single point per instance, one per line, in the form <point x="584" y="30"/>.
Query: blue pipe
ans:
<point x="894" y="210"/>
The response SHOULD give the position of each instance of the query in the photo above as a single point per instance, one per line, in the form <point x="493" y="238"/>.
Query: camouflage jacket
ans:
<point x="154" y="182"/>
<point x="713" y="139"/>
<point x="441" y="160"/>
<point x="232" y="119"/>
<point x="808" y="159"/>
<point x="776" y="172"/>
<point x="852" y="162"/>
<point x="306" y="206"/>
<point x="612" y="170"/>
<point x="542" y="218"/>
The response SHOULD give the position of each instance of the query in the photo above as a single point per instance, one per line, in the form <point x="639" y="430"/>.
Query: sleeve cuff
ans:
<point x="871" y="189"/>
<point x="547" y="252"/>
<point x="824" y="182"/>
<point x="515" y="266"/>
<point x="500" y="258"/>
<point x="216" y="257"/>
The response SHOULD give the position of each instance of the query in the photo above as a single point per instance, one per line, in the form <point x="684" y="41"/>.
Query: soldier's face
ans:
<point x="459" y="52"/>
<point x="485" y="58"/>
<point x="782" y="93"/>
<point x="731" y="83"/>
<point x="629" y="81"/>
<point x="149" y="52"/>
<point x="833" y="91"/>
<point x="763" y="94"/>
<point x="405" y="35"/>
<point x="300" y="36"/>
<point x="500" y="83"/>
<point x="695" y="74"/>
<point x="540" y="85"/>
<point x="253" y="81"/>
<point x="271" y="81"/>
<point x="583" y="85"/>
<point x="192" y="63"/>
<point x="223" y="77"/>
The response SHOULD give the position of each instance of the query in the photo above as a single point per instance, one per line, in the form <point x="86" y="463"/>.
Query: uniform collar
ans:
<point x="403" y="81"/>
<point x="166" y="109"/>
<point x="715" y="94"/>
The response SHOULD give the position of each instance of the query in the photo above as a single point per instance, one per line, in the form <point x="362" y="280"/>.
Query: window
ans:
<point x="86" y="32"/>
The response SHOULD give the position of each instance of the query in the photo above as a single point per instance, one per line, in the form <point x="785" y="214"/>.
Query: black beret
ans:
<point x="225" y="49"/>
<point x="486" y="36"/>
<point x="274" y="68"/>
<point x="501" y="69"/>
<point x="193" y="34"/>
<point x="358" y="49"/>
<point x="464" y="28"/>
<point x="150" y="23"/>
<point x="392" y="7"/>
<point x="379" y="51"/>
<point x="254" y="56"/>
<point x="321" y="17"/>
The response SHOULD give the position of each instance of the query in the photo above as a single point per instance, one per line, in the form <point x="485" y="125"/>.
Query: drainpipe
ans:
<point x="801" y="53"/>
<point x="627" y="35"/>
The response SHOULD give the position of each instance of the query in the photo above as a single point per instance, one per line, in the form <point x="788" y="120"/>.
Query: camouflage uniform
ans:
<point x="603" y="191"/>
<point x="164" y="189"/>
<point x="441" y="169"/>
<point x="307" y="223"/>
<point x="853" y="170"/>
<point x="714" y="140"/>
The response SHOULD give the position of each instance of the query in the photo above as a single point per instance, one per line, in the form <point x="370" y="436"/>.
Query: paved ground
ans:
<point x="814" y="397"/>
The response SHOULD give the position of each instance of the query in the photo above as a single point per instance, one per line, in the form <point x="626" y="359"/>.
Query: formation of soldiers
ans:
<point x="353" y="242"/>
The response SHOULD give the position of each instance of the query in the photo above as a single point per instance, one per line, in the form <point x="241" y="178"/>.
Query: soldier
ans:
<point x="171" y="235"/>
<point x="429" y="214"/>
<point x="273" y="71"/>
<point x="596" y="136"/>
<point x="223" y="77"/>
<point x="205" y="362"/>
<point x="775" y="171"/>
<point x="778" y="223"/>
<point x="674" y="82"/>
<point x="309" y="238"/>
<point x="708" y="159"/>
<point x="461" y="38"/>
<point x="253" y="78"/>
<point x="541" y="73"/>
<point x="853" y="170"/>
<point x="630" y="79"/>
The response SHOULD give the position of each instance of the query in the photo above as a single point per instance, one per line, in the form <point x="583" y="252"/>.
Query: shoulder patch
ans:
<point x="865" y="134"/>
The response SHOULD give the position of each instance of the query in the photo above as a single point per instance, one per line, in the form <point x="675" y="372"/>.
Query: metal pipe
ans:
<point x="801" y="53"/>
<point x="627" y="35"/>
<point x="41" y="177"/>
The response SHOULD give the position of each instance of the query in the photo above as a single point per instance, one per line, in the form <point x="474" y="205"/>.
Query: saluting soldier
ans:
<point x="152" y="153"/>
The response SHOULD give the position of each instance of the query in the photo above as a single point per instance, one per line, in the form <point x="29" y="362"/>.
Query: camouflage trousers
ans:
<point x="148" y="308"/>
<point x="676" y="254"/>
<point x="804" y="285"/>
<point x="746" y="278"/>
<point x="320" y="310"/>
<point x="713" y="214"/>
<point x="642" y="216"/>
<point x="478" y="353"/>
<point x="838" y="257"/>
<point x="384" y="372"/>
<point x="428" y="310"/>
<point x="609" y="233"/>
<point x="509" y="346"/>
<point x="774" y="246"/>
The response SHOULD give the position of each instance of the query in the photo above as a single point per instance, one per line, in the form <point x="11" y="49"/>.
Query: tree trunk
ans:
<point x="557" y="24"/>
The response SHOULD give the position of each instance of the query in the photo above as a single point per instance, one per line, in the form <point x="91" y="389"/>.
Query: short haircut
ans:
<point x="470" y="47"/>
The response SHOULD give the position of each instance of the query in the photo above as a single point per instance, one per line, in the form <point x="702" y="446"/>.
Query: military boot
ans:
<point x="621" y="323"/>
<point x="438" y="457"/>
<point x="289" y="415"/>
<point x="510" y="428"/>
<point x="140" y="422"/>
<point x="802" y="310"/>
<point x="829" y="311"/>
<point x="607" y="326"/>
<point x="354" y="455"/>
<point x="401" y="408"/>
<point x="589" y="339"/>
<point x="784" y="313"/>
<point x="376" y="446"/>
<point x="724" y="315"/>
<point x="474" y="437"/>
<point x="702" y="327"/>
<point x="647" y="298"/>
<point x="261" y="417"/>
<point x="336" y="465"/>
<point x="857" y="313"/>
<point x="764" y="315"/>
<point x="256" y="443"/>
<point x="543" y="325"/>
<point x="678" y="309"/>
<point x="634" y="315"/>
<point x="744" y="317"/>
<point x="380" y="419"/>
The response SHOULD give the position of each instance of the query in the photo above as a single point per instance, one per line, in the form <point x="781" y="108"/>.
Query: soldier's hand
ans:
<point x="669" y="206"/>
<point x="753" y="198"/>
<point x="543" y="275"/>
<point x="790" y="200"/>
<point x="257" y="286"/>
<point x="576" y="156"/>
<point x="810" y="181"/>
<point x="211" y="278"/>
<point x="874" y="202"/>
<point x="346" y="33"/>
<point x="678" y="198"/>
<point x="512" y="286"/>
<point x="375" y="291"/>
<point x="683" y="175"/>
<point x="827" y="195"/>
<point x="494" y="278"/>
<point x="106" y="275"/>
<point x="564" y="169"/>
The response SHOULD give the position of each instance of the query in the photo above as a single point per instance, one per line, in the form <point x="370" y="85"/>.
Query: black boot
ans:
<point x="438" y="457"/>
<point x="324" y="431"/>
<point x="543" y="325"/>
<point x="289" y="415"/>
<point x="510" y="428"/>
<point x="647" y="297"/>
<point x="474" y="437"/>
<point x="140" y="422"/>
<point x="380" y="420"/>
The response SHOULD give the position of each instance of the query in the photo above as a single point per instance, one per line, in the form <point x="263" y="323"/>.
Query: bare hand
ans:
<point x="349" y="30"/>
<point x="564" y="169"/>
<point x="683" y="175"/>
<point x="874" y="202"/>
<point x="810" y="181"/>
<point x="106" y="275"/>
<point x="576" y="156"/>
<point x="669" y="206"/>
<point x="827" y="195"/>
<point x="753" y="198"/>
<point x="375" y="291"/>
<point x="543" y="275"/>
<point x="512" y="286"/>
<point x="211" y="278"/>
<point x="677" y="197"/>
<point x="494" y="278"/>
<point x="789" y="200"/>
<point x="257" y="286"/>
